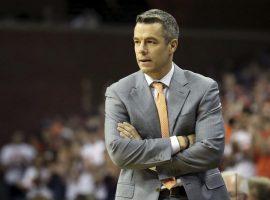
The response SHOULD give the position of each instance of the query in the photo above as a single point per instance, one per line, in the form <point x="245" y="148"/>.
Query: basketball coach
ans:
<point x="163" y="124"/>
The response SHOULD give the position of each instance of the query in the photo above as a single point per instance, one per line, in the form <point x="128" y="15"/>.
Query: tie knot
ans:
<point x="158" y="86"/>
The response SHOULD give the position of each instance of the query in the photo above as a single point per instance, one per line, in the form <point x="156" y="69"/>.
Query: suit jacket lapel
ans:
<point x="177" y="96"/>
<point x="145" y="102"/>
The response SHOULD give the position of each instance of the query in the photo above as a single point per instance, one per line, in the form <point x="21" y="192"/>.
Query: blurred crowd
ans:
<point x="67" y="159"/>
<point x="246" y="110"/>
<point x="245" y="93"/>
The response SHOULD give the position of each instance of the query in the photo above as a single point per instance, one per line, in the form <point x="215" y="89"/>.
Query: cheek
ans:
<point x="135" y="50"/>
<point x="136" y="53"/>
<point x="161" y="51"/>
<point x="162" y="56"/>
<point x="157" y="53"/>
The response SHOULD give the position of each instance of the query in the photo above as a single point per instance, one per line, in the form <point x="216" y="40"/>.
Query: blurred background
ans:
<point x="58" y="56"/>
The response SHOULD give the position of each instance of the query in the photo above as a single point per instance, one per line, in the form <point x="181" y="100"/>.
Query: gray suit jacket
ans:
<point x="193" y="107"/>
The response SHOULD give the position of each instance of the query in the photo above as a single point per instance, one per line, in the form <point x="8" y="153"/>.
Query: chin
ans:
<point x="146" y="69"/>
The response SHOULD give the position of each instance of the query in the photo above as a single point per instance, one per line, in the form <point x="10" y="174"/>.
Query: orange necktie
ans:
<point x="164" y="123"/>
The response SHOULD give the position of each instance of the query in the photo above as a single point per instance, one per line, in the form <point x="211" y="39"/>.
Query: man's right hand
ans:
<point x="186" y="141"/>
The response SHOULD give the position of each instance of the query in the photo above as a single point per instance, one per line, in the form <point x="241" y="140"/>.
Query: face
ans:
<point x="153" y="53"/>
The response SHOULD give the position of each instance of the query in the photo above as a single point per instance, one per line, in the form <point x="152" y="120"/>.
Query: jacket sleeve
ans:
<point x="127" y="153"/>
<point x="208" y="149"/>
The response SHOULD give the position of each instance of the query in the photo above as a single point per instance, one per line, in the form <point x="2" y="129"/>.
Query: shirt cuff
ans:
<point x="175" y="145"/>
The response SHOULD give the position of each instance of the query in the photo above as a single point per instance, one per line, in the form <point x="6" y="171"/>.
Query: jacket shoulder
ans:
<point x="124" y="84"/>
<point x="198" y="81"/>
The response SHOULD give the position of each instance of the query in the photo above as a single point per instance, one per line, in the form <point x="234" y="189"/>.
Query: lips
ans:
<point x="145" y="60"/>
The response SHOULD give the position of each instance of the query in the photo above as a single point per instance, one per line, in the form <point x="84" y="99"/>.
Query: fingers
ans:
<point x="124" y="127"/>
<point x="124" y="133"/>
<point x="191" y="139"/>
<point x="128" y="130"/>
<point x="182" y="142"/>
<point x="186" y="141"/>
<point x="128" y="127"/>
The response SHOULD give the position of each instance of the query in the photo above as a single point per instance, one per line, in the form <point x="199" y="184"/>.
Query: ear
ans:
<point x="173" y="45"/>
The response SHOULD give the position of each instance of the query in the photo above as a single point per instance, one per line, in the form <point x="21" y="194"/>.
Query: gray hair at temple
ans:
<point x="168" y="22"/>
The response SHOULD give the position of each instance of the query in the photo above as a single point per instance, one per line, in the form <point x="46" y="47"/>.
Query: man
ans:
<point x="150" y="117"/>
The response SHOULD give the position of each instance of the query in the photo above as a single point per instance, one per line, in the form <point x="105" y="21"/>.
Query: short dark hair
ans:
<point x="168" y="22"/>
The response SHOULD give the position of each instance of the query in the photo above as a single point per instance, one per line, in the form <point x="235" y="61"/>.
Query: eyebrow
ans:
<point x="148" y="38"/>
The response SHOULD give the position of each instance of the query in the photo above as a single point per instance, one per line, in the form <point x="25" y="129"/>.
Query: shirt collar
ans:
<point x="165" y="80"/>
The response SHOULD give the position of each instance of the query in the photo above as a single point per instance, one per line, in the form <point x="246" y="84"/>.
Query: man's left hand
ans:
<point x="126" y="130"/>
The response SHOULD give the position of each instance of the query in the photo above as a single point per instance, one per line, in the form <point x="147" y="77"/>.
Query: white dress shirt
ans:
<point x="166" y="80"/>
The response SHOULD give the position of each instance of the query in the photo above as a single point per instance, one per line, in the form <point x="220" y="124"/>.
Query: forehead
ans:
<point x="143" y="30"/>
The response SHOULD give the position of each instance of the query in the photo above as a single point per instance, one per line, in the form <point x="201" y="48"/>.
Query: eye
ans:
<point x="136" y="42"/>
<point x="151" y="42"/>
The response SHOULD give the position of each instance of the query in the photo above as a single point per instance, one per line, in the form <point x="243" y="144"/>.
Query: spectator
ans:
<point x="259" y="188"/>
<point x="236" y="185"/>
<point x="14" y="157"/>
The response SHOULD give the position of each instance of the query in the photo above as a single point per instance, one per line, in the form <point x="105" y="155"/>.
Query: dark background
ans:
<point x="50" y="65"/>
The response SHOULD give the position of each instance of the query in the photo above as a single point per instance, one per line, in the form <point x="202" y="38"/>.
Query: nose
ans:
<point x="142" y="48"/>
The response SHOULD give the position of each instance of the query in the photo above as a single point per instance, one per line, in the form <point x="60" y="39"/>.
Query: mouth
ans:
<point x="144" y="60"/>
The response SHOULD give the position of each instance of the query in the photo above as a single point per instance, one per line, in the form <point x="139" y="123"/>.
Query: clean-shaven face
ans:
<point x="152" y="51"/>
